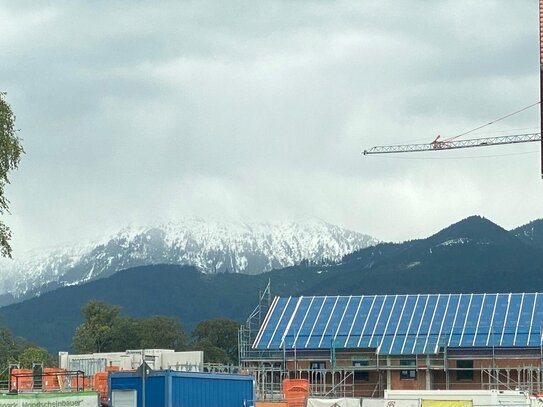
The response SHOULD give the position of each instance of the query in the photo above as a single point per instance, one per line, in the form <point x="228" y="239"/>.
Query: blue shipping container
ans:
<point x="169" y="388"/>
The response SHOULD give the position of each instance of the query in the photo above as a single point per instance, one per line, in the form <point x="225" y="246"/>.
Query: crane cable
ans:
<point x="492" y="122"/>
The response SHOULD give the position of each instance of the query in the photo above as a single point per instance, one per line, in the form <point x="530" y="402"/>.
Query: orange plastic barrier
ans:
<point x="21" y="379"/>
<point x="53" y="378"/>
<point x="295" y="392"/>
<point x="100" y="381"/>
<point x="271" y="404"/>
<point x="100" y="384"/>
<point x="80" y="382"/>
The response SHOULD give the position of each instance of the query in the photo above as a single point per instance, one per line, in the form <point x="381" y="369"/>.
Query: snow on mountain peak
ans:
<point x="211" y="246"/>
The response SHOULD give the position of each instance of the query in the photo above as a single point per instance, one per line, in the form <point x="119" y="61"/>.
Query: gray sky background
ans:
<point x="135" y="112"/>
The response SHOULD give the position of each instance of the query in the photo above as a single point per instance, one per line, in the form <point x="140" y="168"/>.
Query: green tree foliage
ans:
<point x="94" y="335"/>
<point x="125" y="334"/>
<point x="105" y="330"/>
<point x="10" y="155"/>
<point x="15" y="349"/>
<point x="162" y="332"/>
<point x="35" y="354"/>
<point x="212" y="353"/>
<point x="218" y="338"/>
<point x="10" y="347"/>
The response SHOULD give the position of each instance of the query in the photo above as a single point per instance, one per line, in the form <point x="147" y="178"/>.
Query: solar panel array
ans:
<point x="403" y="324"/>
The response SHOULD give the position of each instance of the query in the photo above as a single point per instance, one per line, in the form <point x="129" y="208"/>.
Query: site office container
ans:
<point x="477" y="397"/>
<point x="170" y="388"/>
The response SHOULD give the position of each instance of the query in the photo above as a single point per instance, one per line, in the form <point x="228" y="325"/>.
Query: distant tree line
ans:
<point x="17" y="350"/>
<point x="104" y="329"/>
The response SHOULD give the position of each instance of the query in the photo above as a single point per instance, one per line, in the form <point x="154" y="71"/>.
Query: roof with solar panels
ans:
<point x="403" y="324"/>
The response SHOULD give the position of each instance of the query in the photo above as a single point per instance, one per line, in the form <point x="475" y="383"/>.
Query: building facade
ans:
<point x="363" y="345"/>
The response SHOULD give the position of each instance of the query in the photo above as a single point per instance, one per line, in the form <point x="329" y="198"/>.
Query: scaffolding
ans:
<point x="336" y="376"/>
<point x="332" y="372"/>
<point x="248" y="331"/>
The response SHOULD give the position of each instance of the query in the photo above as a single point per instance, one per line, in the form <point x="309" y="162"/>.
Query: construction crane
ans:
<point x="451" y="143"/>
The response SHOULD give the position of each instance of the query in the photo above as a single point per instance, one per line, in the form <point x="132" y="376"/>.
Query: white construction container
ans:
<point x="157" y="359"/>
<point x="477" y="397"/>
<point x="183" y="361"/>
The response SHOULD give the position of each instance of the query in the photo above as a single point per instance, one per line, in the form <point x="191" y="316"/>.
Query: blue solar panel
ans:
<point x="508" y="333"/>
<point x="485" y="319"/>
<point x="523" y="325"/>
<point x="359" y="326"/>
<point x="433" y="331"/>
<point x="420" y="336"/>
<point x="455" y="334"/>
<point x="534" y="336"/>
<point x="412" y="329"/>
<point x="370" y="321"/>
<point x="391" y="324"/>
<point x="276" y="312"/>
<point x="498" y="321"/>
<point x="296" y="321"/>
<point x="276" y="339"/>
<point x="346" y="322"/>
<point x="326" y="335"/>
<point x="447" y="322"/>
<point x="333" y="322"/>
<point x="405" y="317"/>
<point x="301" y="321"/>
<point x="382" y="319"/>
<point x="403" y="324"/>
<point x="472" y="320"/>
<point x="309" y="321"/>
<point x="356" y="322"/>
<point x="320" y="323"/>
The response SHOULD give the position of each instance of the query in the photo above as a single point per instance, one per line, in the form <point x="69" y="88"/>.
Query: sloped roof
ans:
<point x="403" y="324"/>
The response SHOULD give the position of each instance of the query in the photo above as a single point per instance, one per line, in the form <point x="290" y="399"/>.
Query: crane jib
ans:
<point x="455" y="144"/>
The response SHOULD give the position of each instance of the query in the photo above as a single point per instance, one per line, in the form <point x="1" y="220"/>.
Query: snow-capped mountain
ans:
<point x="213" y="247"/>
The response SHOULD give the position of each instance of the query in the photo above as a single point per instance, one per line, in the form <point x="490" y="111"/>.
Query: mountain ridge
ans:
<point x="211" y="246"/>
<point x="413" y="267"/>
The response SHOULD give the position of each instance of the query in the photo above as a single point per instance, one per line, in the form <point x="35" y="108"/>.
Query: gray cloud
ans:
<point x="133" y="111"/>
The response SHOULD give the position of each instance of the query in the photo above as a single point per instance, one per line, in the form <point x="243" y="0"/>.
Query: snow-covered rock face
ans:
<point x="213" y="247"/>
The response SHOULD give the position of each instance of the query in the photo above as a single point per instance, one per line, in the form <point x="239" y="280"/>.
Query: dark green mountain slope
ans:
<point x="50" y="319"/>
<point x="531" y="233"/>
<point x="473" y="255"/>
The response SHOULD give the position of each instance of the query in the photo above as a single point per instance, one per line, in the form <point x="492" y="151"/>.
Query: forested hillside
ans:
<point x="473" y="255"/>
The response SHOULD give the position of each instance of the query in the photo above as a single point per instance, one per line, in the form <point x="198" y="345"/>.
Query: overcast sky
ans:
<point x="133" y="112"/>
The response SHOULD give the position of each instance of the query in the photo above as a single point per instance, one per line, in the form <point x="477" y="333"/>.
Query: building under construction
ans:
<point x="360" y="346"/>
